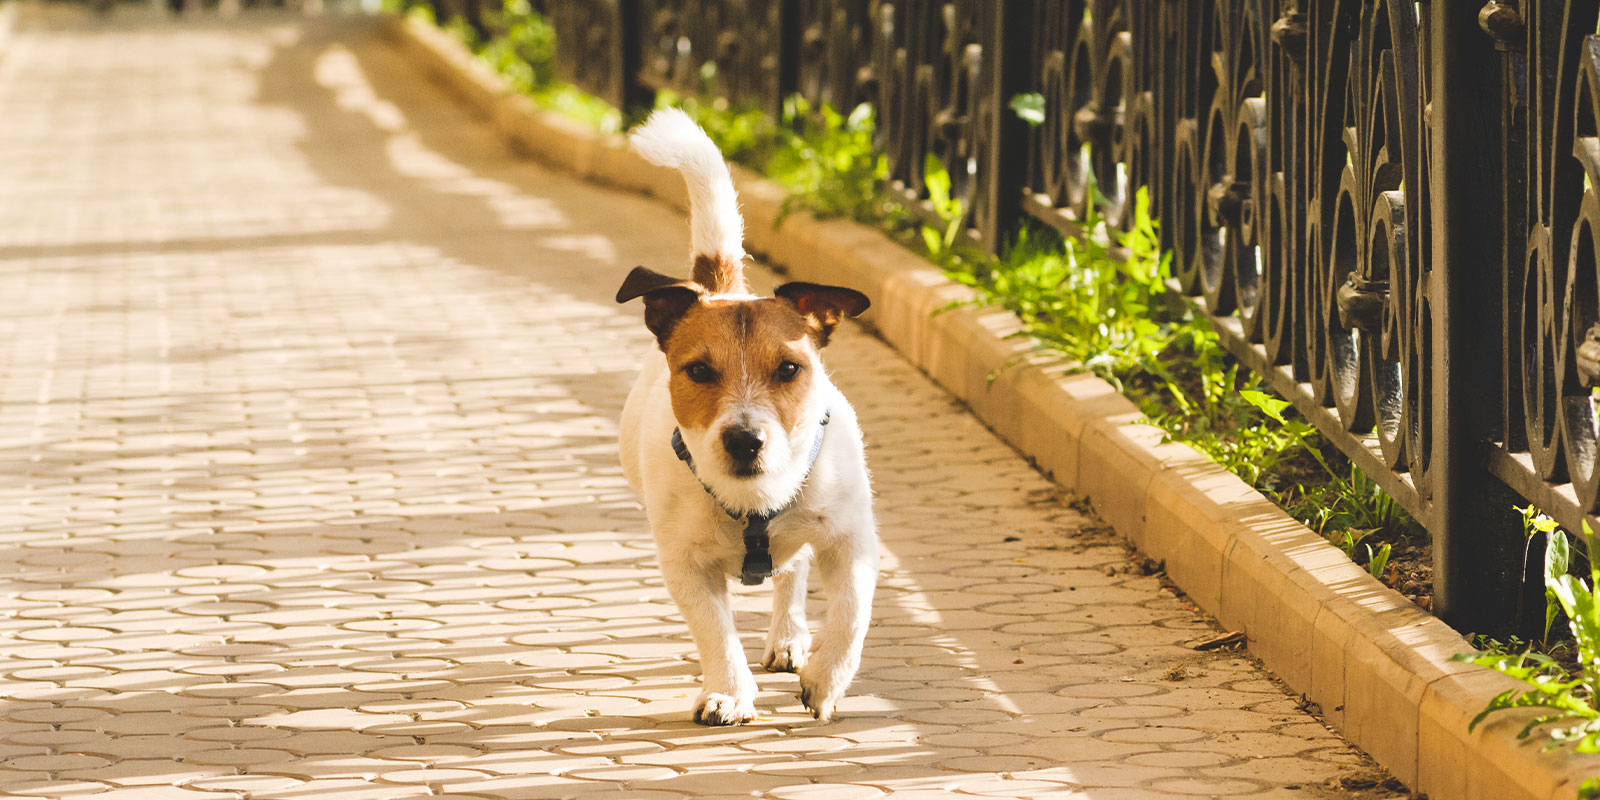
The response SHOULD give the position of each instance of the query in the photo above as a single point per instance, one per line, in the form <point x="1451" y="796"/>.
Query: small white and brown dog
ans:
<point x="748" y="460"/>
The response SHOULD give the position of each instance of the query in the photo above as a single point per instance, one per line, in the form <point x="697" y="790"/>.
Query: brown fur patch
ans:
<point x="719" y="274"/>
<point x="743" y="342"/>
<point x="665" y="299"/>
<point x="823" y="306"/>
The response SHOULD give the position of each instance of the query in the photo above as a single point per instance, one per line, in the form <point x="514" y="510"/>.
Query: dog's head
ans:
<point x="745" y="371"/>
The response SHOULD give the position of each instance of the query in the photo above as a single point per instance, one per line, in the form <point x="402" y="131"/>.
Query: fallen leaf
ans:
<point x="1224" y="640"/>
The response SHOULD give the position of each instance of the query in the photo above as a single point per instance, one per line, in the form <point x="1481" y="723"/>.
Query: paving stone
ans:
<point x="56" y="788"/>
<point x="57" y="763"/>
<point x="313" y="386"/>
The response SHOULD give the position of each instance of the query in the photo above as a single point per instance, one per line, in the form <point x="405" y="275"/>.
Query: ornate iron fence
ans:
<point x="1388" y="207"/>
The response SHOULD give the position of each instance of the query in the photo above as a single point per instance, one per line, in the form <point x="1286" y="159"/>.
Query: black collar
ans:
<point x="757" y="558"/>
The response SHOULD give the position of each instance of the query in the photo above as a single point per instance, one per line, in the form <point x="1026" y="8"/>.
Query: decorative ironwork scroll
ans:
<point x="931" y="75"/>
<point x="834" y="52"/>
<point x="1080" y="80"/>
<point x="676" y="40"/>
<point x="1550" y="57"/>
<point x="594" y="29"/>
<point x="1375" y="315"/>
<point x="731" y="48"/>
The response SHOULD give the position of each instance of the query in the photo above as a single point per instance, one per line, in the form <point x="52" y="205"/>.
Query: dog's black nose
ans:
<point x="743" y="444"/>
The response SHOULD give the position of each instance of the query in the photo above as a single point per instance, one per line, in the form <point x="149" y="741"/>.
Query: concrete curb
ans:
<point x="1378" y="666"/>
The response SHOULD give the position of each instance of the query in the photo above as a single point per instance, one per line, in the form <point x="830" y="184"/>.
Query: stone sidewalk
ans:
<point x="308" y="415"/>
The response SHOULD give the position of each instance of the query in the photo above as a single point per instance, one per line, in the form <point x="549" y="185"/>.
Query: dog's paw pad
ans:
<point x="786" y="657"/>
<point x="722" y="709"/>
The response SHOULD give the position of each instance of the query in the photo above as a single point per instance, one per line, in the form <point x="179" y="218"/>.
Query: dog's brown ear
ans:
<point x="665" y="299"/>
<point x="823" y="306"/>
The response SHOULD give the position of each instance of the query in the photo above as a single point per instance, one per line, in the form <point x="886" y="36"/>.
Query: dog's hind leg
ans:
<point x="789" y="640"/>
<point x="849" y="569"/>
<point x="728" y="697"/>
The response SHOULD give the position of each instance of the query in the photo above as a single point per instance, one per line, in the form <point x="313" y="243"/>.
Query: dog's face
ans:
<point x="742" y="373"/>
<point x="744" y="370"/>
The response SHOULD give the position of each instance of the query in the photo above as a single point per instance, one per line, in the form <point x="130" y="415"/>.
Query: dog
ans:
<point x="747" y="458"/>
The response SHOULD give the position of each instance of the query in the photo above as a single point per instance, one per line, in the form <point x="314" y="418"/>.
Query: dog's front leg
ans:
<point x="789" y="640"/>
<point x="701" y="593"/>
<point x="849" y="569"/>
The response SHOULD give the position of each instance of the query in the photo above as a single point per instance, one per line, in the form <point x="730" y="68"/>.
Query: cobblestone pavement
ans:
<point x="307" y="414"/>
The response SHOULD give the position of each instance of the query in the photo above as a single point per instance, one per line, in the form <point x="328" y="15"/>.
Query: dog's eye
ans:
<point x="700" y="373"/>
<point x="787" y="371"/>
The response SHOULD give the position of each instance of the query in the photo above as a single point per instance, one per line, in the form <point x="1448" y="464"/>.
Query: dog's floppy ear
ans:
<point x="665" y="299"/>
<point x="823" y="306"/>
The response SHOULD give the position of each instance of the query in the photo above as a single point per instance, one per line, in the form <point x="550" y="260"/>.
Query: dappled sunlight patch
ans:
<point x="337" y="69"/>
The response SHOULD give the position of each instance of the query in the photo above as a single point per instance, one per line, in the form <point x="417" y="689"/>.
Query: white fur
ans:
<point x="669" y="138"/>
<point x="701" y="549"/>
<point x="829" y="509"/>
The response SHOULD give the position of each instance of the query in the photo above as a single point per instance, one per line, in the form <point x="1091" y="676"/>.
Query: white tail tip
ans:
<point x="670" y="138"/>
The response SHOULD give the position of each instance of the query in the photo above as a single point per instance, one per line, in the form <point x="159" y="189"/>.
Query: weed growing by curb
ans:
<point x="1567" y="701"/>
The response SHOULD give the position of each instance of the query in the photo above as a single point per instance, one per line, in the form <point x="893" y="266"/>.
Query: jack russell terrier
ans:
<point x="748" y="460"/>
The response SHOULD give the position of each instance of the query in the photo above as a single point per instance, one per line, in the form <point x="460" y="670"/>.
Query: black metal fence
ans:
<point x="1388" y="207"/>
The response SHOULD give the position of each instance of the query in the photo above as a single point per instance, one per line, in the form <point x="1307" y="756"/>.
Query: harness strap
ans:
<point x="757" y="543"/>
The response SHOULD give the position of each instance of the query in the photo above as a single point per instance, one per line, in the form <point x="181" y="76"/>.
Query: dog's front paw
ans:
<point x="715" y="708"/>
<point x="787" y="656"/>
<point x="821" y="688"/>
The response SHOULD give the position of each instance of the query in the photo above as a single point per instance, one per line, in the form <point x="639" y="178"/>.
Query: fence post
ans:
<point x="1007" y="135"/>
<point x="632" y="94"/>
<point x="1477" y="545"/>
<point x="793" y="27"/>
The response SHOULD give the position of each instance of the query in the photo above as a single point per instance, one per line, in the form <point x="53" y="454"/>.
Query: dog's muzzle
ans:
<point x="757" y="558"/>
<point x="743" y="446"/>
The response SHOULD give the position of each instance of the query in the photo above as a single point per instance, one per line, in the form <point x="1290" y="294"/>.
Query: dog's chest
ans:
<point x="786" y="535"/>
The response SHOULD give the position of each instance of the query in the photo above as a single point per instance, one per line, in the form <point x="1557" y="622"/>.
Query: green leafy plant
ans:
<point x="525" y="49"/>
<point x="745" y="134"/>
<point x="1291" y="434"/>
<point x="941" y="240"/>
<point x="1377" y="560"/>
<point x="411" y="8"/>
<point x="1353" y="501"/>
<point x="1029" y="107"/>
<point x="1534" y="523"/>
<point x="828" y="162"/>
<point x="1567" y="700"/>
<point x="1112" y="316"/>
<point x="564" y="98"/>
<point x="462" y="30"/>
<point x="1348" y="539"/>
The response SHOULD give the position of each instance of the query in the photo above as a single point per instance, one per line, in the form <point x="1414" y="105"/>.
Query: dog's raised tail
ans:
<point x="669" y="138"/>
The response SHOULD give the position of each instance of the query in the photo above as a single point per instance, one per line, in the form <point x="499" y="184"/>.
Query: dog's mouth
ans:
<point x="745" y="470"/>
